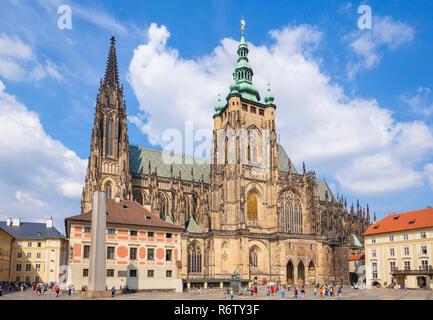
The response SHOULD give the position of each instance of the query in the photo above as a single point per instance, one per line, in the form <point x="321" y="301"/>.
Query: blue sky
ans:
<point x="355" y="105"/>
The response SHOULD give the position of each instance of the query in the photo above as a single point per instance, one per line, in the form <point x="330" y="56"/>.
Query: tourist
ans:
<point x="1" y="289"/>
<point x="69" y="289"/>
<point x="113" y="290"/>
<point x="295" y="290"/>
<point x="288" y="287"/>
<point x="282" y="292"/>
<point x="302" y="292"/>
<point x="57" y="289"/>
<point x="231" y="293"/>
<point x="339" y="292"/>
<point x="45" y="288"/>
<point x="315" y="291"/>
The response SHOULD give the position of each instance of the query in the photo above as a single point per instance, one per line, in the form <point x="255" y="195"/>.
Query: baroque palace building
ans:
<point x="240" y="216"/>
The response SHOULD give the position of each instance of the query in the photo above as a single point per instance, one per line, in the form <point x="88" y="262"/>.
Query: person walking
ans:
<point x="296" y="293"/>
<point x="57" y="289"/>
<point x="231" y="293"/>
<point x="339" y="292"/>
<point x="302" y="292"/>
<point x="113" y="290"/>
<point x="282" y="292"/>
<point x="315" y="291"/>
<point x="69" y="289"/>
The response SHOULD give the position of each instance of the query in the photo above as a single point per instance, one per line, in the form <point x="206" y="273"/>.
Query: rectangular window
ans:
<point x="132" y="273"/>
<point x="86" y="252"/>
<point x="27" y="279"/>
<point x="19" y="255"/>
<point x="391" y="252"/>
<point x="85" y="272"/>
<point x="373" y="253"/>
<point x="150" y="234"/>
<point x="405" y="236"/>
<point x="38" y="255"/>
<point x="37" y="279"/>
<point x="122" y="273"/>
<point x="29" y="244"/>
<point x="133" y="253"/>
<point x="253" y="109"/>
<point x="150" y="273"/>
<point x="168" y="273"/>
<point x="374" y="269"/>
<point x="244" y="107"/>
<point x="423" y="249"/>
<point x="150" y="254"/>
<point x="18" y="279"/>
<point x="39" y="244"/>
<point x="110" y="272"/>
<point x="168" y="255"/>
<point x="18" y="267"/>
<point x="407" y="265"/>
<point x="392" y="266"/>
<point x="373" y="240"/>
<point x="29" y="255"/>
<point x="261" y="112"/>
<point x="38" y="267"/>
<point x="391" y="238"/>
<point x="110" y="253"/>
<point x="423" y="235"/>
<point x="111" y="231"/>
<point x="424" y="264"/>
<point x="169" y="235"/>
<point x="406" y="251"/>
<point x="28" y="267"/>
<point x="133" y="232"/>
<point x="87" y="229"/>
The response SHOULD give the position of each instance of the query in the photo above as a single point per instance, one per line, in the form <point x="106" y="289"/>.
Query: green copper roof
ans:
<point x="192" y="226"/>
<point x="356" y="241"/>
<point x="139" y="158"/>
<point x="322" y="188"/>
<point x="283" y="160"/>
<point x="243" y="75"/>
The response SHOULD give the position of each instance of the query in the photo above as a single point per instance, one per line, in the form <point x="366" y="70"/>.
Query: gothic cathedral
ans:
<point x="275" y="224"/>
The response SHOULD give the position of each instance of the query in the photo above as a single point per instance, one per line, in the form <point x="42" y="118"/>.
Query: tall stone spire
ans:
<point x="111" y="77"/>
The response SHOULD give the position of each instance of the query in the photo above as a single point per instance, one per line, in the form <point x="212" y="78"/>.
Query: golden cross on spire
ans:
<point x="242" y="24"/>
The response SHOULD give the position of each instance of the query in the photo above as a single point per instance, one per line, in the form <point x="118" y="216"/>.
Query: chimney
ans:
<point x="9" y="221"/>
<point x="49" y="222"/>
<point x="16" y="222"/>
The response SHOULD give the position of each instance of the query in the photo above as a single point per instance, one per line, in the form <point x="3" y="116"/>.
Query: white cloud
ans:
<point x="419" y="103"/>
<point x="39" y="176"/>
<point x="369" y="45"/>
<point x="18" y="62"/>
<point x="352" y="139"/>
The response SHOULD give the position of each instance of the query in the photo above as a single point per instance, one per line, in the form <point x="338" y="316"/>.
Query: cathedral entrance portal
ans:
<point x="301" y="272"/>
<point x="289" y="273"/>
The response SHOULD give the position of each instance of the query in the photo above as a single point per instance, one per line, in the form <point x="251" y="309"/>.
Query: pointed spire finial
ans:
<point x="242" y="25"/>
<point x="111" y="77"/>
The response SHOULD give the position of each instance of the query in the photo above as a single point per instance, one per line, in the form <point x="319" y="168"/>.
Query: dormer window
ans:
<point x="412" y="221"/>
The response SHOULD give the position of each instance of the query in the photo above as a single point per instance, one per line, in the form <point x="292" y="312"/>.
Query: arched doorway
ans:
<point x="421" y="281"/>
<point x="301" y="272"/>
<point x="311" y="273"/>
<point x="353" y="277"/>
<point x="289" y="273"/>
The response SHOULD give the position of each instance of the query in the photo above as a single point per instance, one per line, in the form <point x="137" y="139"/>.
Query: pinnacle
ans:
<point x="111" y="77"/>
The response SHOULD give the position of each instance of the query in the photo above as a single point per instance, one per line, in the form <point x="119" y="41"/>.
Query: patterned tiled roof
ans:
<point x="32" y="230"/>
<point x="402" y="221"/>
<point x="139" y="158"/>
<point x="322" y="188"/>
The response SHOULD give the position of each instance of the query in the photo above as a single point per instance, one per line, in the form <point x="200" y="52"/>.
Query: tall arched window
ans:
<point x="163" y="206"/>
<point x="138" y="196"/>
<point x="290" y="213"/>
<point x="194" y="258"/>
<point x="252" y="206"/>
<point x="253" y="258"/>
<point x="108" y="190"/>
<point x="110" y="137"/>
<point x="226" y="151"/>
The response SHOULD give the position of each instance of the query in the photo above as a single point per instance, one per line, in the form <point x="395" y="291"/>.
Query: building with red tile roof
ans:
<point x="398" y="250"/>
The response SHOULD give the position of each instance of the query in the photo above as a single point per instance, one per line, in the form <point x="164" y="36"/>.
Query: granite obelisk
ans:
<point x="97" y="265"/>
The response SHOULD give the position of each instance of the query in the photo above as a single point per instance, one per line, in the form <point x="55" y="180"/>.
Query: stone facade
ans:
<point x="5" y="255"/>
<point x="240" y="215"/>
